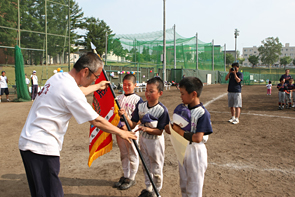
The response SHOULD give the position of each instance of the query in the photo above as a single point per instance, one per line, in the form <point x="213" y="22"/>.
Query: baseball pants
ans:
<point x="129" y="157"/>
<point x="288" y="98"/>
<point x="42" y="174"/>
<point x="192" y="172"/>
<point x="281" y="97"/>
<point x="153" y="153"/>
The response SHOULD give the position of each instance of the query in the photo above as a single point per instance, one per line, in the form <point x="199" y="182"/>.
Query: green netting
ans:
<point x="21" y="86"/>
<point x="147" y="49"/>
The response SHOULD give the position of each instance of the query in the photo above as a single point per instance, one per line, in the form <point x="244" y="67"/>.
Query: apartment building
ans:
<point x="286" y="50"/>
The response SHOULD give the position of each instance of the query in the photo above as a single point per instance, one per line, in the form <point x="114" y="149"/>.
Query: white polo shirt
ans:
<point x="48" y="119"/>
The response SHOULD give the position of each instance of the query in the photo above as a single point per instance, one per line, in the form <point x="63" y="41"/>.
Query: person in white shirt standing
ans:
<point x="42" y="136"/>
<point x="34" y="80"/>
<point x="27" y="82"/>
<point x="4" y="86"/>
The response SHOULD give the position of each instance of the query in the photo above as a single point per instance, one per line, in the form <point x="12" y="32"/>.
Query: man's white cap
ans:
<point x="34" y="71"/>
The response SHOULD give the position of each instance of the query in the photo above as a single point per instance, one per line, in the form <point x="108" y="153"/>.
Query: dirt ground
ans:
<point x="253" y="158"/>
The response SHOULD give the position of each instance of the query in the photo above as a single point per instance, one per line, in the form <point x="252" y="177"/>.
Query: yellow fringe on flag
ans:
<point x="95" y="154"/>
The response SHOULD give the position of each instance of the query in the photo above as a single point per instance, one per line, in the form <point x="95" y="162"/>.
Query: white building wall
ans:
<point x="286" y="50"/>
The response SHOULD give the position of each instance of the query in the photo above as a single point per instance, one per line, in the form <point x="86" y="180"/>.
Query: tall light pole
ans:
<point x="164" y="42"/>
<point x="236" y="35"/>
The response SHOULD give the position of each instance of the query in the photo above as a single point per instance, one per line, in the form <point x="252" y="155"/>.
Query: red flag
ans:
<point x="104" y="104"/>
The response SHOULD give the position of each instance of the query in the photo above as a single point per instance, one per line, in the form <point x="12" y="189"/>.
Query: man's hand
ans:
<point x="127" y="135"/>
<point x="102" y="85"/>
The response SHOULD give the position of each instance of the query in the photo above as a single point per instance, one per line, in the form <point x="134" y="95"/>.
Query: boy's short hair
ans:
<point x="282" y="78"/>
<point x="191" y="84"/>
<point x="130" y="77"/>
<point x="158" y="81"/>
<point x="269" y="81"/>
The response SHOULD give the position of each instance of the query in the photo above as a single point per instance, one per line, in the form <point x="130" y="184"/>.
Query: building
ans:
<point x="287" y="50"/>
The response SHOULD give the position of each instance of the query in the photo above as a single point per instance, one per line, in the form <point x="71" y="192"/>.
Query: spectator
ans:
<point x="234" y="92"/>
<point x="4" y="86"/>
<point x="34" y="80"/>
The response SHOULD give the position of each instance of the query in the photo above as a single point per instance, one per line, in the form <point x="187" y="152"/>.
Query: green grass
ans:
<point x="10" y="72"/>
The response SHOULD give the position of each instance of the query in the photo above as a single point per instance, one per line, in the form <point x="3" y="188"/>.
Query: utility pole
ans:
<point x="164" y="42"/>
<point x="236" y="35"/>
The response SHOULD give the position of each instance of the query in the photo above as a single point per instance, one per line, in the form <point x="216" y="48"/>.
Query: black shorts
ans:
<point x="4" y="90"/>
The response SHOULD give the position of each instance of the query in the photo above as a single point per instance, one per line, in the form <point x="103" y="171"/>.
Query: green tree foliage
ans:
<point x="253" y="59"/>
<point x="285" y="60"/>
<point x="8" y="18"/>
<point x="32" y="18"/>
<point x="116" y="47"/>
<point x="241" y="60"/>
<point x="96" y="33"/>
<point x="229" y="59"/>
<point x="146" y="54"/>
<point x="270" y="50"/>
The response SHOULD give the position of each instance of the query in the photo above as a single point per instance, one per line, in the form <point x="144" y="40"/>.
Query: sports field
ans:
<point x="254" y="158"/>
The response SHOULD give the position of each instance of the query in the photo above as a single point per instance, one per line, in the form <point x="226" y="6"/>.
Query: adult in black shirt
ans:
<point x="234" y="92"/>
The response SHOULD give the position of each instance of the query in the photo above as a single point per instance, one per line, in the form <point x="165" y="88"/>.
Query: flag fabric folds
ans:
<point x="104" y="104"/>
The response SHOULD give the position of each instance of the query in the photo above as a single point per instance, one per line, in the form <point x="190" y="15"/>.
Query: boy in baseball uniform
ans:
<point x="153" y="116"/>
<point x="128" y="152"/>
<point x="192" y="170"/>
<point x="282" y="87"/>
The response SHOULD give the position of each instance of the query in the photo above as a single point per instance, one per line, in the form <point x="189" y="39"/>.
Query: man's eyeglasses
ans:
<point x="96" y="76"/>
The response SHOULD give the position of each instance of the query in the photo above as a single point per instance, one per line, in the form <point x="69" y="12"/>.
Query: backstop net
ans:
<point x="146" y="49"/>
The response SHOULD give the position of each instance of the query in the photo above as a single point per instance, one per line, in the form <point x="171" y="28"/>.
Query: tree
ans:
<point x="241" y="60"/>
<point x="229" y="59"/>
<point x="8" y="18"/>
<point x="96" y="33"/>
<point x="253" y="59"/>
<point x="270" y="50"/>
<point x="285" y="60"/>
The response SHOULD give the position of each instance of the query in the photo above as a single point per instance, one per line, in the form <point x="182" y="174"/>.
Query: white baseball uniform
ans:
<point x="128" y="152"/>
<point x="152" y="146"/>
<point x="192" y="172"/>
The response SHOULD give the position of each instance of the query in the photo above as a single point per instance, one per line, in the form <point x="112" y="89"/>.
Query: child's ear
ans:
<point x="161" y="92"/>
<point x="195" y="94"/>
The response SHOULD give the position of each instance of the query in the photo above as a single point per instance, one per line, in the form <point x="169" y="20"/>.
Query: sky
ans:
<point x="211" y="19"/>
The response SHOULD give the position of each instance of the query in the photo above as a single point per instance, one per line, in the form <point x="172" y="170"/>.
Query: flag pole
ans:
<point x="135" y="143"/>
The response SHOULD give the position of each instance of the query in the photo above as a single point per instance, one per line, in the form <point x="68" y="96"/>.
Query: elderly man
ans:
<point x="42" y="136"/>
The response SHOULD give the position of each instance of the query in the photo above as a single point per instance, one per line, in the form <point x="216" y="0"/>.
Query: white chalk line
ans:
<point x="254" y="114"/>
<point x="240" y="167"/>
<point x="211" y="101"/>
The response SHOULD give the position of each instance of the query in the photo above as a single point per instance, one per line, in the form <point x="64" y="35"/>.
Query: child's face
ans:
<point x="152" y="93"/>
<point x="128" y="86"/>
<point x="283" y="81"/>
<point x="185" y="96"/>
